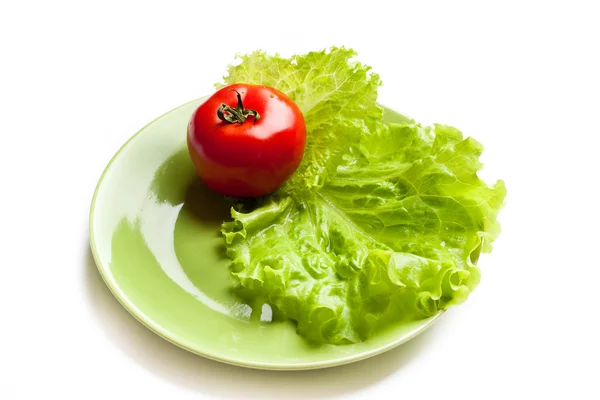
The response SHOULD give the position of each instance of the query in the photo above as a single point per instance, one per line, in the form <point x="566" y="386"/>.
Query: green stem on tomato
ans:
<point x="237" y="114"/>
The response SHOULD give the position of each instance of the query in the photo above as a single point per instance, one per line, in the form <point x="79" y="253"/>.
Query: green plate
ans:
<point x="155" y="237"/>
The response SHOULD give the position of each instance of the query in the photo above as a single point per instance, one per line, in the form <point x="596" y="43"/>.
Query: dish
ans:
<point x="155" y="237"/>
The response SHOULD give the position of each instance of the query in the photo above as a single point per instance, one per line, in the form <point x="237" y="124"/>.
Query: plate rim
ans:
<point x="172" y="338"/>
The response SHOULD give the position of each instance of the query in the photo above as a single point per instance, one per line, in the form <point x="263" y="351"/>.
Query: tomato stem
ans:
<point x="237" y="114"/>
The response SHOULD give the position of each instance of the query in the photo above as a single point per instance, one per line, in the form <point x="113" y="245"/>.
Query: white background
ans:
<point x="77" y="79"/>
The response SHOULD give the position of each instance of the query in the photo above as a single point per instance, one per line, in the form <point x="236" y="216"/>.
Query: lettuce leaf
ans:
<point x="380" y="222"/>
<point x="337" y="96"/>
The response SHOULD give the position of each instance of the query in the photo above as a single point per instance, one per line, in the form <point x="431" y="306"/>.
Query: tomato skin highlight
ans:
<point x="253" y="158"/>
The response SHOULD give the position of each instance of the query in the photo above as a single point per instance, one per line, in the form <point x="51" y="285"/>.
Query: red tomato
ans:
<point x="246" y="140"/>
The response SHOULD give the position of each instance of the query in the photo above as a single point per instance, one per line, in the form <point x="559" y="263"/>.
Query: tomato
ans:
<point x="246" y="140"/>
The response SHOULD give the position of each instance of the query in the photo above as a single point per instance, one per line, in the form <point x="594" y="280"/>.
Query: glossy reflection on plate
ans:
<point x="155" y="236"/>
